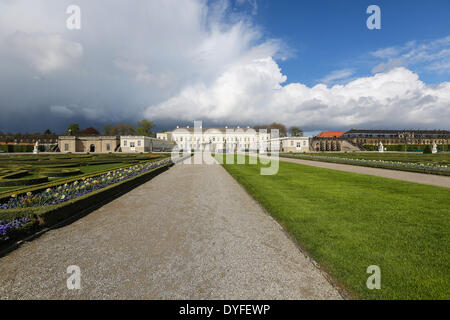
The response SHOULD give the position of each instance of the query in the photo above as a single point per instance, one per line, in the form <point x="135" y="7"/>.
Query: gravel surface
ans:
<point x="423" y="178"/>
<point x="190" y="233"/>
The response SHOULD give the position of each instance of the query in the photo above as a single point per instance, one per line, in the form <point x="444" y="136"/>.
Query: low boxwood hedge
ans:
<point x="54" y="172"/>
<point x="4" y="196"/>
<point x="22" y="181"/>
<point x="47" y="216"/>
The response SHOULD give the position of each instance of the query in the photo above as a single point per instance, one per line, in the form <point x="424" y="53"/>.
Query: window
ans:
<point x="304" y="143"/>
<point x="124" y="143"/>
<point x="299" y="144"/>
<point x="139" y="143"/>
<point x="292" y="143"/>
<point x="108" y="147"/>
<point x="132" y="144"/>
<point x="66" y="147"/>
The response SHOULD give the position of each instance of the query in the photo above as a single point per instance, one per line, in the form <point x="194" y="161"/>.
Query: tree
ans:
<point x="48" y="131"/>
<point x="144" y="128"/>
<point x="90" y="131"/>
<point x="108" y="130"/>
<point x="74" y="128"/>
<point x="281" y="128"/>
<point x="427" y="149"/>
<point x="123" y="129"/>
<point x="296" y="132"/>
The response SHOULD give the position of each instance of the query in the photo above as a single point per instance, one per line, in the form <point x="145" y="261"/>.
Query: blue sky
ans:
<point x="326" y="35"/>
<point x="308" y="63"/>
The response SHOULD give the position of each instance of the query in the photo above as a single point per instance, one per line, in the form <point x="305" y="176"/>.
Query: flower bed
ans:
<point x="50" y="206"/>
<point x="7" y="227"/>
<point x="394" y="165"/>
<point x="78" y="188"/>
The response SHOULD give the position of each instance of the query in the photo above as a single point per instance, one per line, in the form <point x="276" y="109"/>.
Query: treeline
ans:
<point x="143" y="128"/>
<point x="293" y="131"/>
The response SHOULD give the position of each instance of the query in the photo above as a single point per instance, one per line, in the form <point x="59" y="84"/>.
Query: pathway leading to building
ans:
<point x="431" y="179"/>
<point x="190" y="233"/>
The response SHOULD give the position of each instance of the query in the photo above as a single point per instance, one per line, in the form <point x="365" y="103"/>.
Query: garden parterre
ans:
<point x="22" y="205"/>
<point x="405" y="162"/>
<point x="78" y="188"/>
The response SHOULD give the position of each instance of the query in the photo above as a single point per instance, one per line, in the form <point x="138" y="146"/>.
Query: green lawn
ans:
<point x="438" y="158"/>
<point x="348" y="222"/>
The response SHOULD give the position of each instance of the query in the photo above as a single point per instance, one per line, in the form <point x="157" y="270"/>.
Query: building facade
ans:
<point x="94" y="144"/>
<point x="397" y="137"/>
<point x="293" y="144"/>
<point x="130" y="144"/>
<point x="107" y="144"/>
<point x="217" y="139"/>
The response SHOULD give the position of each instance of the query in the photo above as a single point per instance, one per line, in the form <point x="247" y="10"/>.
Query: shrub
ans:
<point x="427" y="149"/>
<point x="22" y="181"/>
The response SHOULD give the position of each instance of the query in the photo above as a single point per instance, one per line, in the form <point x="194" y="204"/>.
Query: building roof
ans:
<point x="398" y="131"/>
<point x="326" y="134"/>
<point x="213" y="129"/>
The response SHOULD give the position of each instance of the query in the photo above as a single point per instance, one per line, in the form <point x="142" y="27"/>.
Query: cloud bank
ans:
<point x="177" y="61"/>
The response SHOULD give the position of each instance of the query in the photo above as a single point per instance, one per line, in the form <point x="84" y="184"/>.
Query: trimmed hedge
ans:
<point x="22" y="181"/>
<point x="47" y="216"/>
<point x="13" y="148"/>
<point x="54" y="172"/>
<point x="5" y="195"/>
<point x="401" y="147"/>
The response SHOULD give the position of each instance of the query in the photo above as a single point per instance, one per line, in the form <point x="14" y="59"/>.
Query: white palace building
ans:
<point x="227" y="139"/>
<point x="218" y="139"/>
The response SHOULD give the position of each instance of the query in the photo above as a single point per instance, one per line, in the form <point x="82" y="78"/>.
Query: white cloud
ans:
<point x="44" y="52"/>
<point x="253" y="93"/>
<point x="62" y="111"/>
<point x="337" y="75"/>
<point x="176" y="60"/>
<point x="431" y="55"/>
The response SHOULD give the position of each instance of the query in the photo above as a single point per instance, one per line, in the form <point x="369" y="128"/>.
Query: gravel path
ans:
<point x="190" y="233"/>
<point x="431" y="179"/>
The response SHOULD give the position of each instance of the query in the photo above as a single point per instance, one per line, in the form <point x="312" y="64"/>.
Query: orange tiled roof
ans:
<point x="19" y="143"/>
<point x="330" y="134"/>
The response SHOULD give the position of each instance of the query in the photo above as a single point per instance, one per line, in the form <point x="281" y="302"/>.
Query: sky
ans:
<point x="310" y="63"/>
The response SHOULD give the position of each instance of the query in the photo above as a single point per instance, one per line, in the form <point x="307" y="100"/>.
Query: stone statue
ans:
<point x="380" y="147"/>
<point x="434" y="150"/>
<point x="36" y="148"/>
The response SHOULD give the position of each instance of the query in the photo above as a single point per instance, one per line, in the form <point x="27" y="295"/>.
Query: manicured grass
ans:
<point x="348" y="222"/>
<point x="438" y="158"/>
<point x="101" y="167"/>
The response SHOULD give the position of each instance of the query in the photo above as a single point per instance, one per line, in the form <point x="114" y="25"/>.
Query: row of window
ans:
<point x="132" y="143"/>
<point x="214" y="139"/>
<point x="299" y="143"/>
<point x="108" y="147"/>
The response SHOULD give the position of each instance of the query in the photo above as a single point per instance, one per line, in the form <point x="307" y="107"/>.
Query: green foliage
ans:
<point x="144" y="128"/>
<point x="401" y="147"/>
<point x="27" y="181"/>
<point x="50" y="215"/>
<point x="16" y="148"/>
<point x="427" y="149"/>
<point x="18" y="171"/>
<point x="74" y="128"/>
<point x="296" y="132"/>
